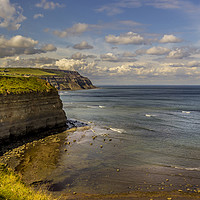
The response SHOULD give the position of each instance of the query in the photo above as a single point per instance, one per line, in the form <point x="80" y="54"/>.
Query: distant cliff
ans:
<point x="28" y="111"/>
<point x="68" y="80"/>
<point x="60" y="79"/>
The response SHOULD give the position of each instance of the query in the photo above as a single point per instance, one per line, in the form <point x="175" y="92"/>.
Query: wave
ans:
<point x="63" y="93"/>
<point x="147" y="115"/>
<point x="186" y="112"/>
<point x="117" y="130"/>
<point x="96" y="107"/>
<point x="188" y="168"/>
<point x="184" y="168"/>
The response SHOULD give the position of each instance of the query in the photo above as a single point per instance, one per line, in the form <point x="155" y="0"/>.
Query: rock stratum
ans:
<point x="24" y="114"/>
<point x="68" y="80"/>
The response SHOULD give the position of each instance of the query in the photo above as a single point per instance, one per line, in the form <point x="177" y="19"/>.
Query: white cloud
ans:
<point x="170" y="39"/>
<point x="39" y="15"/>
<point x="18" y="45"/>
<point x="127" y="38"/>
<point x="84" y="67"/>
<point x="179" y="53"/>
<point x="125" y="57"/>
<point x="83" y="45"/>
<point x="78" y="28"/>
<point x="10" y="15"/>
<point x="120" y="70"/>
<point x="69" y="64"/>
<point x="158" y="51"/>
<point x="48" y="5"/>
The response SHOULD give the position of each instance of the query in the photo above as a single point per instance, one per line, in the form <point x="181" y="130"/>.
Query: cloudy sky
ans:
<point x="110" y="42"/>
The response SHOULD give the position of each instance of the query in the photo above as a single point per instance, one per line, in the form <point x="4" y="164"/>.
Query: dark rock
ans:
<point x="27" y="115"/>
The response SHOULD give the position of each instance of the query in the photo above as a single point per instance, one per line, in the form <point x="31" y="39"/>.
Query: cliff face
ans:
<point x="31" y="113"/>
<point x="68" y="80"/>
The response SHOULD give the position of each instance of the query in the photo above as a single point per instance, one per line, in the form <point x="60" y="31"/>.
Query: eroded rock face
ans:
<point x="32" y="113"/>
<point x="69" y="80"/>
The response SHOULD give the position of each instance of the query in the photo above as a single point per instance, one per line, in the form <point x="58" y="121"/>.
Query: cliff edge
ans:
<point x="28" y="106"/>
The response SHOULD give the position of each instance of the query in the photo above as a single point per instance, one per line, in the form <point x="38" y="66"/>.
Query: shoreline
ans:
<point x="53" y="145"/>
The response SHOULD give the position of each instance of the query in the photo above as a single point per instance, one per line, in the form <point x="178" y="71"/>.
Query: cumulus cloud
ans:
<point x="84" y="67"/>
<point x="179" y="53"/>
<point x="83" y="45"/>
<point x="170" y="39"/>
<point x="125" y="57"/>
<point x="157" y="51"/>
<point x="154" y="51"/>
<point x="18" y="45"/>
<point x="10" y="15"/>
<point x="127" y="38"/>
<point x="36" y="16"/>
<point x="76" y="29"/>
<point x="49" y="47"/>
<point x="49" y="5"/>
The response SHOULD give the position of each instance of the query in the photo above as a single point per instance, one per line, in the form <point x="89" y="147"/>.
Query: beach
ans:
<point x="129" y="145"/>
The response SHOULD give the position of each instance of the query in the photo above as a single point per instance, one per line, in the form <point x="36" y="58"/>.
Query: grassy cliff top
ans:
<point x="24" y="72"/>
<point x="22" y="85"/>
<point x="27" y="72"/>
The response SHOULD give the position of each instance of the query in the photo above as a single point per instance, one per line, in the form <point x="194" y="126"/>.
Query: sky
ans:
<point x="112" y="42"/>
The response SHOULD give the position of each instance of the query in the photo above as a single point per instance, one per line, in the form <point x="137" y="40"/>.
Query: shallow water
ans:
<point x="149" y="134"/>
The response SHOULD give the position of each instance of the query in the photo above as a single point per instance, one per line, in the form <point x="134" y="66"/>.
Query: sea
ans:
<point x="140" y="138"/>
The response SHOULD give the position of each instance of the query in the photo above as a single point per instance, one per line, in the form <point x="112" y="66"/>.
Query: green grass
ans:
<point x="12" y="188"/>
<point x="24" y="72"/>
<point x="22" y="85"/>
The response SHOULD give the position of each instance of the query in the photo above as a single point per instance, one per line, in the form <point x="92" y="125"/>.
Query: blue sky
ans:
<point x="111" y="42"/>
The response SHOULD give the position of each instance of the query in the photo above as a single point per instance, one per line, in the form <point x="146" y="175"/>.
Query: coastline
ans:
<point x="50" y="148"/>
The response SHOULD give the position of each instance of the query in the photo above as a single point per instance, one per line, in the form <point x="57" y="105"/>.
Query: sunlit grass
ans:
<point x="24" y="72"/>
<point x="12" y="188"/>
<point x="19" y="85"/>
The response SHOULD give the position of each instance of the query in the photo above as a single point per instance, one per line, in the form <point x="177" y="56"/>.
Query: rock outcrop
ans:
<point x="30" y="113"/>
<point x="68" y="80"/>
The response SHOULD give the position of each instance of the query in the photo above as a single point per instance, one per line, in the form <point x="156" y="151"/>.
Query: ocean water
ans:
<point x="141" y="138"/>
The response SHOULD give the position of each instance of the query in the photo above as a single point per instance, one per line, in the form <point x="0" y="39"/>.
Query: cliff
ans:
<point x="60" y="79"/>
<point x="25" y="113"/>
<point x="68" y="80"/>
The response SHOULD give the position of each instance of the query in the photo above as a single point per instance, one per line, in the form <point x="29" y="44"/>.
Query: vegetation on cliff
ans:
<point x="18" y="72"/>
<point x="22" y="85"/>
<point x="60" y="79"/>
<point x="11" y="187"/>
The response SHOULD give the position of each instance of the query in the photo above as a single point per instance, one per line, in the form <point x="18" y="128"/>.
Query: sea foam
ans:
<point x="117" y="130"/>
